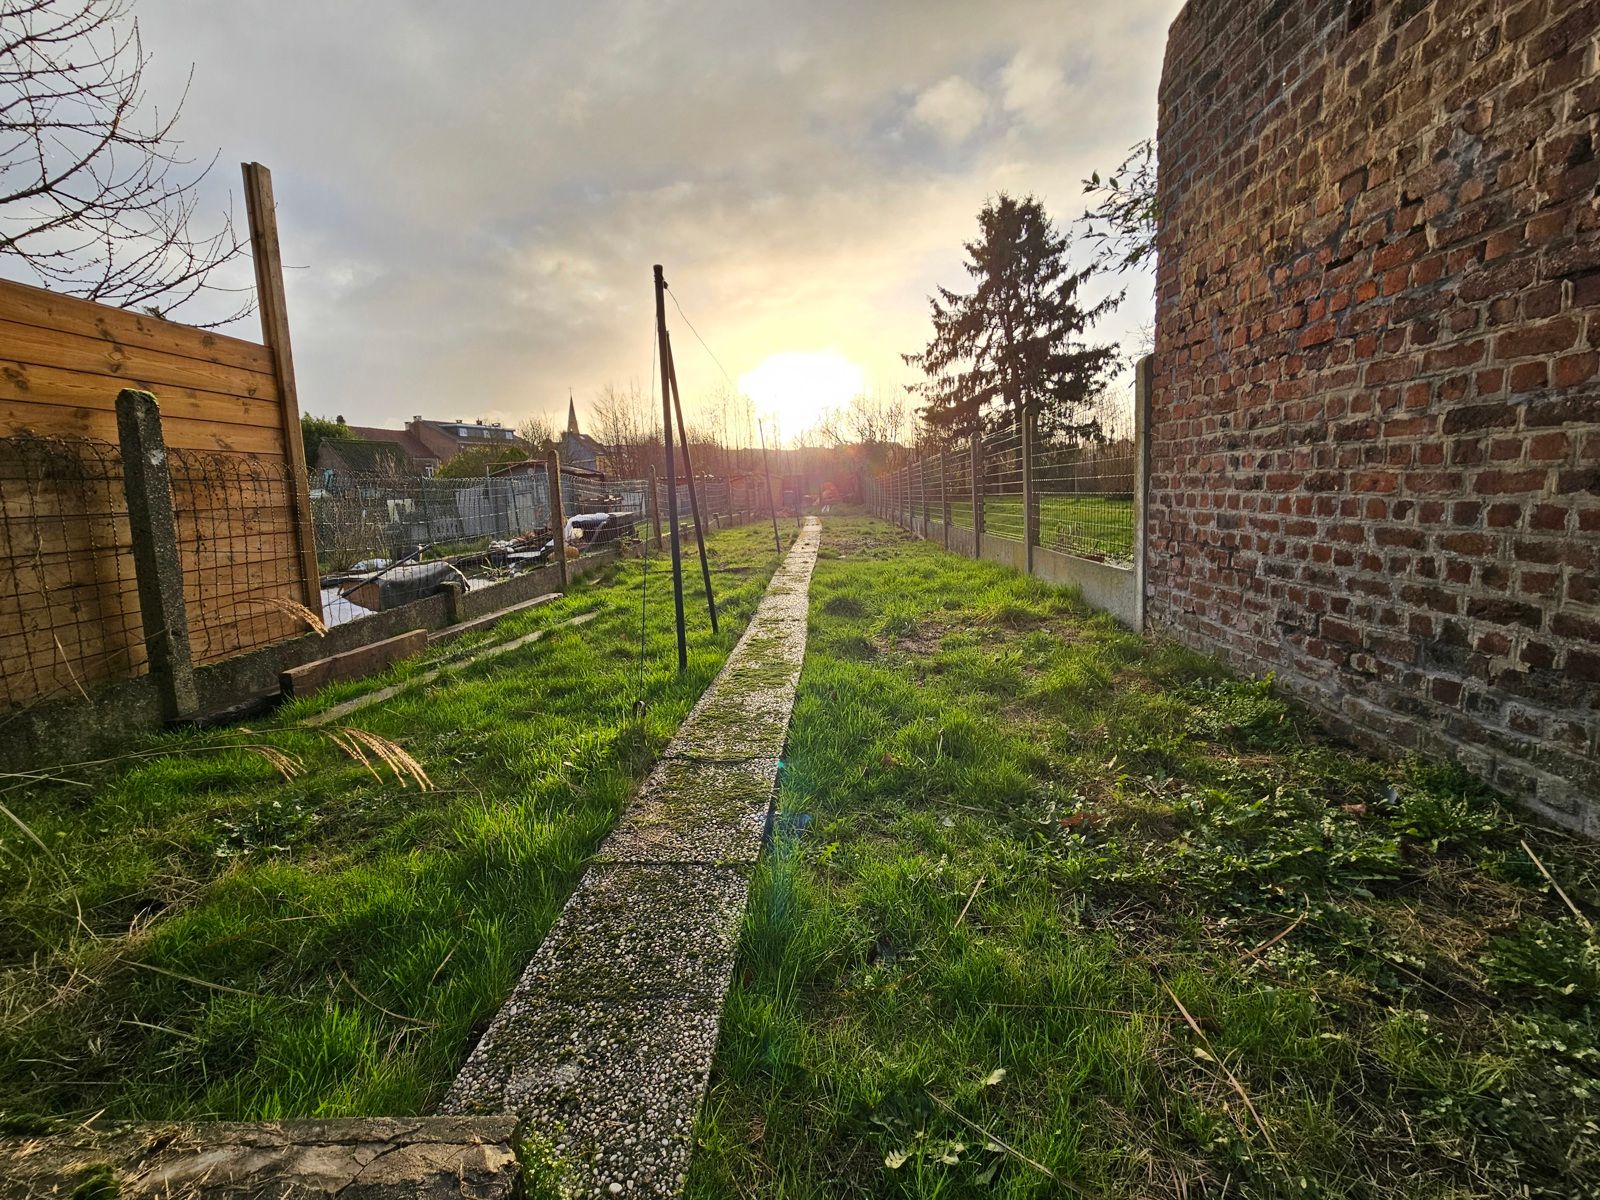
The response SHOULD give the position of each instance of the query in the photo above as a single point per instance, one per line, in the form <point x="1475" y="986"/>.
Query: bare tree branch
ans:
<point x="95" y="198"/>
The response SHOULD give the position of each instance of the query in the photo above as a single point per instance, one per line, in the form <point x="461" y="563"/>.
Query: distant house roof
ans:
<point x="536" y="466"/>
<point x="592" y="445"/>
<point x="364" y="456"/>
<point x="413" y="447"/>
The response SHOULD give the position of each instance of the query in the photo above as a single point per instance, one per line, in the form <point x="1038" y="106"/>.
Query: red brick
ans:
<point x="1552" y="337"/>
<point x="1378" y="337"/>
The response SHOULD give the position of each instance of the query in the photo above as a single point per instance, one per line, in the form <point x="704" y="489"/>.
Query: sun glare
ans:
<point x="798" y="387"/>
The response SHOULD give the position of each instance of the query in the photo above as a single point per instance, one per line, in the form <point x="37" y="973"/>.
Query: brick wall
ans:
<point x="1375" y="421"/>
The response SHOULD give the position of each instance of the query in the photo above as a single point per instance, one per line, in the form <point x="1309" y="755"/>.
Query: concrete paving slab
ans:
<point x="641" y="928"/>
<point x="697" y="810"/>
<point x="605" y="1045"/>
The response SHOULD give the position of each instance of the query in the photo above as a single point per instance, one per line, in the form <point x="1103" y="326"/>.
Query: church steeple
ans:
<point x="572" y="414"/>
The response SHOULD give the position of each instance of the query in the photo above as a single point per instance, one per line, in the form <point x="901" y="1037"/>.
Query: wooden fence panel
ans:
<point x="69" y="612"/>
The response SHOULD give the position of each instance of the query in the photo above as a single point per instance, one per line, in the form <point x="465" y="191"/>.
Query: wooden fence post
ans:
<point x="654" y="508"/>
<point x="1143" y="394"/>
<point x="922" y="486"/>
<point x="274" y="310"/>
<point x="977" y="495"/>
<point x="156" y="564"/>
<point x="558" y="521"/>
<point x="1030" y="522"/>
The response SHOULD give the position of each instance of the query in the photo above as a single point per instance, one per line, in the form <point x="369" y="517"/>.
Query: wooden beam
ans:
<point x="271" y="302"/>
<point x="558" y="518"/>
<point x="352" y="664"/>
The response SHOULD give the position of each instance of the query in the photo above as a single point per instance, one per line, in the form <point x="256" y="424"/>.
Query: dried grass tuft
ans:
<point x="293" y="608"/>
<point x="363" y="745"/>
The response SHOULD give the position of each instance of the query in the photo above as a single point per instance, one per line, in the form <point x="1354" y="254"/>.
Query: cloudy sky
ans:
<point x="473" y="194"/>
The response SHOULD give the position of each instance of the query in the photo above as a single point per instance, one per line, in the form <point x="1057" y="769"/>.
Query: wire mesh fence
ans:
<point x="958" y="483"/>
<point x="1002" y="485"/>
<point x="69" y="599"/>
<point x="69" y="604"/>
<point x="1084" y="494"/>
<point x="239" y="550"/>
<point x="360" y="519"/>
<point x="1082" y="489"/>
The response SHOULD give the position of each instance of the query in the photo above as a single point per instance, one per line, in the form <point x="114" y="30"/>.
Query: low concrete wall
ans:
<point x="1108" y="588"/>
<point x="1005" y="551"/>
<point x="1111" y="589"/>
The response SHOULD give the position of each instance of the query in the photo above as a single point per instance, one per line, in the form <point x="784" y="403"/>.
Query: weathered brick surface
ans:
<point x="1375" y="460"/>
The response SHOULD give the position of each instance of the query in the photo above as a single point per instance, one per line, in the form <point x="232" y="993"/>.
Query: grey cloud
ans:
<point x="476" y="191"/>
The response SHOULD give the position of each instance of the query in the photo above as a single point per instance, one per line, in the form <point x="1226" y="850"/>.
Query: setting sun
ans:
<point x="798" y="387"/>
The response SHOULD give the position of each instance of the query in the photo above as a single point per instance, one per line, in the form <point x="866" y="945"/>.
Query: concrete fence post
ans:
<point x="944" y="494"/>
<point x="156" y="564"/>
<point x="558" y="520"/>
<point x="1143" y="395"/>
<point x="922" y="483"/>
<point x="1030" y="518"/>
<point x="977" y="495"/>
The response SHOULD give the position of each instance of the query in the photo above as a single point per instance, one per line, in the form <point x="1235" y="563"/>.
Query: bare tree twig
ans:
<point x="95" y="197"/>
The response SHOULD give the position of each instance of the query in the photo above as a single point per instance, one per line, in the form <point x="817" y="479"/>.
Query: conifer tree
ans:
<point x="1015" y="343"/>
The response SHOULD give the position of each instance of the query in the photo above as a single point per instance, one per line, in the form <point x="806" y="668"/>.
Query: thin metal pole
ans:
<point x="672" y="467"/>
<point x="772" y="509"/>
<point x="694" y="494"/>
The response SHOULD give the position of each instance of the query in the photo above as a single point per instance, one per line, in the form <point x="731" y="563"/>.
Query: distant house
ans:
<point x="427" y="444"/>
<point x="578" y="449"/>
<point x="341" y="460"/>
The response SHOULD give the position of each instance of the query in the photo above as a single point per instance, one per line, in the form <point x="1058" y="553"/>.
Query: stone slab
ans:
<point x="634" y="929"/>
<point x="605" y="1045"/>
<point x="697" y="810"/>
<point x="380" y="1158"/>
<point x="614" y="1085"/>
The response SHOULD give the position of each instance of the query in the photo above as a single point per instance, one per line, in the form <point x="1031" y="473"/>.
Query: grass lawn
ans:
<point x="205" y="935"/>
<point x="1080" y="914"/>
<point x="1093" y="526"/>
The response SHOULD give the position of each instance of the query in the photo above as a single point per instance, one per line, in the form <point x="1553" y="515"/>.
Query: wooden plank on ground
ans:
<point x="339" y="711"/>
<point x="439" y="636"/>
<point x="352" y="664"/>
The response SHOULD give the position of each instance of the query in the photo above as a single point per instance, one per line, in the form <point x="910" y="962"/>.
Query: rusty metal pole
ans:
<point x="766" y="467"/>
<point x="944" y="494"/>
<point x="672" y="466"/>
<point x="977" y="495"/>
<point x="694" y="493"/>
<point x="1030" y="500"/>
<point x="653" y="506"/>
